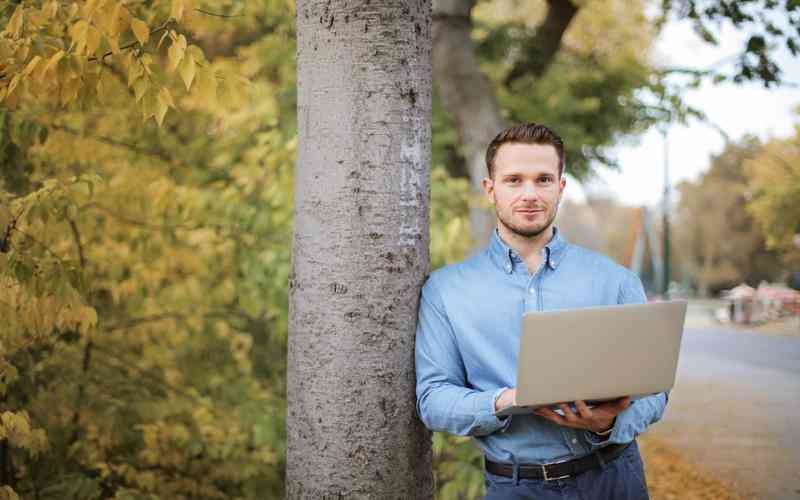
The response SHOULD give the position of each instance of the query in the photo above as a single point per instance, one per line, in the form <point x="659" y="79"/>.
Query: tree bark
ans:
<point x="360" y="250"/>
<point x="541" y="49"/>
<point x="468" y="97"/>
<point x="467" y="94"/>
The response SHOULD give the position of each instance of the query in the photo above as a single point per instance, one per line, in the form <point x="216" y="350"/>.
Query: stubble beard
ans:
<point x="528" y="233"/>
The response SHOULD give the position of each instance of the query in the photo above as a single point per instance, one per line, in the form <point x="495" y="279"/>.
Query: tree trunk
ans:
<point x="360" y="251"/>
<point x="468" y="97"/>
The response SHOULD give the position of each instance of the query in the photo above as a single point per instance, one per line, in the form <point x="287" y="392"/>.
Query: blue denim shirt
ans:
<point x="467" y="344"/>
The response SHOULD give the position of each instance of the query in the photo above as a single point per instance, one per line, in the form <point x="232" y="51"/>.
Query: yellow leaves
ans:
<point x="51" y="63"/>
<point x="73" y="11"/>
<point x="16" y="428"/>
<point x="165" y="97"/>
<point x="14" y="27"/>
<point x="115" y="20"/>
<point x="3" y="94"/>
<point x="140" y="30"/>
<point x="153" y="103"/>
<point x="31" y="66"/>
<point x="8" y="374"/>
<point x="187" y="70"/>
<point x="69" y="90"/>
<point x="113" y="43"/>
<point x="89" y="8"/>
<point x="106" y="87"/>
<point x="135" y="69"/>
<point x="85" y="38"/>
<point x="87" y="318"/>
<point x="176" y="52"/>
<point x="78" y="34"/>
<point x="163" y="103"/>
<point x="50" y="9"/>
<point x="66" y="68"/>
<point x="7" y="493"/>
<point x="92" y="40"/>
<point x="773" y="178"/>
<point x="14" y="82"/>
<point x="140" y="87"/>
<point x="177" y="8"/>
<point x="225" y="293"/>
<point x="206" y="86"/>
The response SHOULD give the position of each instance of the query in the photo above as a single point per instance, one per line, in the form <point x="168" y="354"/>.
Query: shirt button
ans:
<point x="532" y="290"/>
<point x="574" y="440"/>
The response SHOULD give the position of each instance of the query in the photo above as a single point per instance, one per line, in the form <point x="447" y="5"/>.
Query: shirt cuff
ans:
<point x="505" y="420"/>
<point x="597" y="441"/>
<point x="487" y="422"/>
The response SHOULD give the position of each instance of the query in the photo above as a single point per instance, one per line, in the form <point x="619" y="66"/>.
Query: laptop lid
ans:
<point x="599" y="353"/>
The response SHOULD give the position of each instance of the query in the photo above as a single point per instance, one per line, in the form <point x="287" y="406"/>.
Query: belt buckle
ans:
<point x="544" y="471"/>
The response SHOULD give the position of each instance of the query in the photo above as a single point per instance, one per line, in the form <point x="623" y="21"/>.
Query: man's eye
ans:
<point x="546" y="180"/>
<point x="513" y="180"/>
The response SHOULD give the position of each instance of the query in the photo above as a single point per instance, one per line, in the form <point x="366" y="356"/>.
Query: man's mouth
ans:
<point x="529" y="211"/>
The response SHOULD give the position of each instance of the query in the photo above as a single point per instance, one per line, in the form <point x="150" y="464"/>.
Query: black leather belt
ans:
<point x="559" y="470"/>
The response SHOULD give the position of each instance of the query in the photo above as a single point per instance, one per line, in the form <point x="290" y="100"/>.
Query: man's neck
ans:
<point x="528" y="249"/>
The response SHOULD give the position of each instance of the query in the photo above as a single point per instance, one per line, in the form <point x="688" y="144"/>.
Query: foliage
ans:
<point x="600" y="88"/>
<point x="769" y="25"/>
<point x="78" y="52"/>
<point x="721" y="244"/>
<point x="774" y="182"/>
<point x="593" y="92"/>
<point x="144" y="263"/>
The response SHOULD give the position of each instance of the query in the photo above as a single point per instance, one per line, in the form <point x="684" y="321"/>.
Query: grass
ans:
<point x="671" y="477"/>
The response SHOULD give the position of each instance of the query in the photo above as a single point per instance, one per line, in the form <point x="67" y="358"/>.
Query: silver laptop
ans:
<point x="597" y="354"/>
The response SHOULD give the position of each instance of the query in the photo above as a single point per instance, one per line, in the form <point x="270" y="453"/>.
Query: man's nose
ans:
<point x="529" y="191"/>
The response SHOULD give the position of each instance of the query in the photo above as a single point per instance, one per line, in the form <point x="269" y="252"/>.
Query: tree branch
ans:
<point x="77" y="238"/>
<point x="87" y="350"/>
<point x="216" y="14"/>
<point x="162" y="155"/>
<point x="163" y="26"/>
<point x="540" y="50"/>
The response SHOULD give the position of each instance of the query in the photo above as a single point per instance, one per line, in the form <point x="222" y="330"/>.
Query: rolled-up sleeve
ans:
<point x="445" y="402"/>
<point x="642" y="412"/>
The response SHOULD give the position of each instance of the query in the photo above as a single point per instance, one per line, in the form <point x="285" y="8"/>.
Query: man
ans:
<point x="468" y="336"/>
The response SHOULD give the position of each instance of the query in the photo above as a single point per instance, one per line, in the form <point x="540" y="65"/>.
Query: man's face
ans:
<point x="526" y="187"/>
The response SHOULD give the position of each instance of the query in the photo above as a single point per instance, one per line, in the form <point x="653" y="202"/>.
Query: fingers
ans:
<point x="569" y="415"/>
<point x="622" y="403"/>
<point x="583" y="409"/>
<point x="617" y="405"/>
<point x="550" y="415"/>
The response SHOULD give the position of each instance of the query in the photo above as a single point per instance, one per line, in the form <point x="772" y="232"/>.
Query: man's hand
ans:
<point x="507" y="398"/>
<point x="597" y="419"/>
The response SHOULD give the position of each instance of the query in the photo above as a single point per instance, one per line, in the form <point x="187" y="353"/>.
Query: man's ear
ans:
<point x="488" y="189"/>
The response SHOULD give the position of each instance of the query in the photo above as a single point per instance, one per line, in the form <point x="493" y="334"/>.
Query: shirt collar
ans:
<point x="505" y="257"/>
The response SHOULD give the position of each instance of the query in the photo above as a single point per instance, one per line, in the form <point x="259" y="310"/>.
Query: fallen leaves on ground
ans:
<point x="670" y="476"/>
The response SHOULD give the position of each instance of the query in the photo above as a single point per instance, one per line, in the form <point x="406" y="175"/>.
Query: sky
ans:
<point x="736" y="109"/>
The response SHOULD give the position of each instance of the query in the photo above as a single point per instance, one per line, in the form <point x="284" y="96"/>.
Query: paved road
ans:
<point x="736" y="407"/>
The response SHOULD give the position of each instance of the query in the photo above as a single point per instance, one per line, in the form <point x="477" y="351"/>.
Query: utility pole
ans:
<point x="665" y="213"/>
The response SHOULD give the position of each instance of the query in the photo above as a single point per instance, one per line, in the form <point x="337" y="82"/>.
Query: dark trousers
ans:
<point x="621" y="479"/>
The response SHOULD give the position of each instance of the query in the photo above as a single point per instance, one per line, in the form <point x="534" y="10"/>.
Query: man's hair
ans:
<point x="526" y="133"/>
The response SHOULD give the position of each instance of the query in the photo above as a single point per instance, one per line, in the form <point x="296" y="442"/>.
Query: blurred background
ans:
<point x="146" y="171"/>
